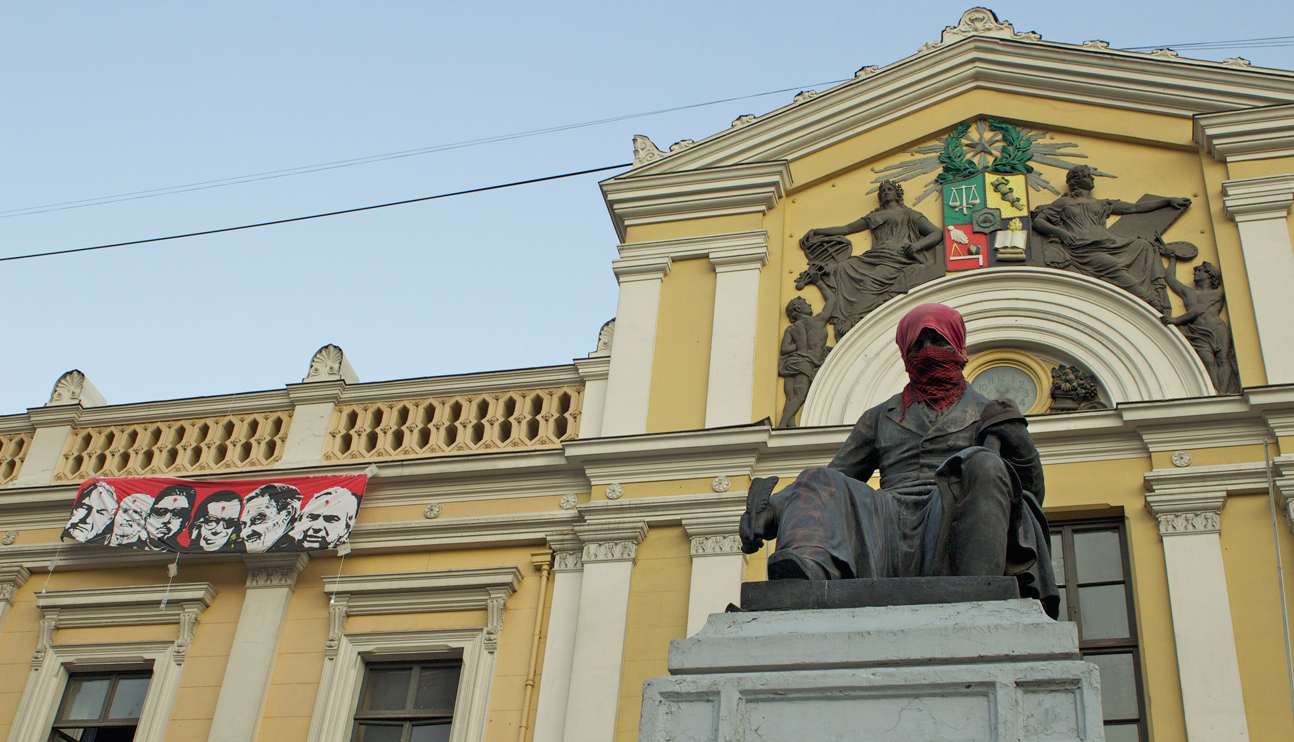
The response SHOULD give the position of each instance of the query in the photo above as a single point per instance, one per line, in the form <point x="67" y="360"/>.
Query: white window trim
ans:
<point x="420" y="592"/>
<point x="52" y="663"/>
<point x="343" y="676"/>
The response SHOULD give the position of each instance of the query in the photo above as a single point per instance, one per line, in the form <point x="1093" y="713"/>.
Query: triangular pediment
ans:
<point x="980" y="53"/>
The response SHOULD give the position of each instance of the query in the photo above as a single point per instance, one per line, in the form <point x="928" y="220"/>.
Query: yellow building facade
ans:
<point x="532" y="540"/>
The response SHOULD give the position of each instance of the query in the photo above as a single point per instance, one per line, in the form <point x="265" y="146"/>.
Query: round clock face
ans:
<point x="1009" y="382"/>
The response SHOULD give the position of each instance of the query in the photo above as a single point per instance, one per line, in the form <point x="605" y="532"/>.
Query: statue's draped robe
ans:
<point x="864" y="282"/>
<point x="939" y="494"/>
<point x="1131" y="263"/>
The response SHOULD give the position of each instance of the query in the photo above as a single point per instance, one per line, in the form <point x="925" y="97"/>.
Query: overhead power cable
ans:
<point x="1260" y="43"/>
<point x="305" y="169"/>
<point x="314" y="216"/>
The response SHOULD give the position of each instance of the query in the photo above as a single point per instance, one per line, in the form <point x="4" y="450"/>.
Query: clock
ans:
<point x="1007" y="381"/>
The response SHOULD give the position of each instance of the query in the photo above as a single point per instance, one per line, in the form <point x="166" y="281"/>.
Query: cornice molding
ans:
<point x="611" y="540"/>
<point x="739" y="259"/>
<point x="315" y="392"/>
<point x="53" y="417"/>
<point x="671" y="510"/>
<point x="20" y="423"/>
<point x="1175" y="87"/>
<point x="131" y="605"/>
<point x="739" y="188"/>
<point x="1253" y="199"/>
<point x="1247" y="134"/>
<point x="276" y="400"/>
<point x="1176" y="490"/>
<point x="420" y="592"/>
<point x="664" y="456"/>
<point x="567" y="551"/>
<point x="594" y="368"/>
<point x="695" y="247"/>
<point x="541" y="377"/>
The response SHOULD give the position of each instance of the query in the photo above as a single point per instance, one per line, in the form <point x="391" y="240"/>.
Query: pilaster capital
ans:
<point x="642" y="269"/>
<point x="739" y="259"/>
<point x="274" y="570"/>
<point x="314" y="392"/>
<point x="711" y="535"/>
<point x="567" y="552"/>
<point x="55" y="416"/>
<point x="611" y="540"/>
<point x="1187" y="513"/>
<point x="12" y="577"/>
<point x="1181" y="524"/>
<point x="1247" y="134"/>
<point x="1254" y="199"/>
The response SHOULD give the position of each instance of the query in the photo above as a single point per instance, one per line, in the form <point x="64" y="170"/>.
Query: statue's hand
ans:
<point x="1166" y="319"/>
<point x="1179" y="203"/>
<point x="909" y="252"/>
<point x="759" y="522"/>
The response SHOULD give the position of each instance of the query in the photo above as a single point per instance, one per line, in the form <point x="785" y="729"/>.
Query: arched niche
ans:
<point x="1111" y="333"/>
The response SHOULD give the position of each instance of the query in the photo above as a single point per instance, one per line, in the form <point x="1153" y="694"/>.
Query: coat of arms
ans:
<point x="986" y="221"/>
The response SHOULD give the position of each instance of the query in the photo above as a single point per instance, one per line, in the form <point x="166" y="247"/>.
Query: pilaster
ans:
<point x="554" y="690"/>
<point x="718" y="566"/>
<point x="629" y="376"/>
<point x="314" y="403"/>
<point x="271" y="579"/>
<point x="1188" y="506"/>
<point x="731" y="386"/>
<point x="53" y="426"/>
<point x="594" y="370"/>
<point x="593" y="701"/>
<point x="1260" y="208"/>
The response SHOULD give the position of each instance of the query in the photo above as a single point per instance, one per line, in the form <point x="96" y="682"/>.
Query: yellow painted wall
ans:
<point x="680" y="372"/>
<point x="657" y="614"/>
<point x="1249" y="557"/>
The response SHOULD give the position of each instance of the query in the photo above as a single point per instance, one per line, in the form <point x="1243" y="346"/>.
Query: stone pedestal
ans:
<point x="988" y="670"/>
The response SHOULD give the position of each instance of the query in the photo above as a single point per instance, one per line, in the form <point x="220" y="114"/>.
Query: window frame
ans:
<point x="1073" y="605"/>
<point x="343" y="678"/>
<point x="102" y="721"/>
<point x="408" y="715"/>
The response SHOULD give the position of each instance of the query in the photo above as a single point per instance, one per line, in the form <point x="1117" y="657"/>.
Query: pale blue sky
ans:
<point x="109" y="98"/>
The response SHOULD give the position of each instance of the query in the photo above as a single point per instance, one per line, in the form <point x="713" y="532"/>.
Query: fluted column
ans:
<point x="555" y="683"/>
<point x="1207" y="664"/>
<point x="718" y="568"/>
<point x="270" y="582"/>
<point x="610" y="548"/>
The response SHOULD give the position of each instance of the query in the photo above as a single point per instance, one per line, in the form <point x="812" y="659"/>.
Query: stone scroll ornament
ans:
<point x="290" y="514"/>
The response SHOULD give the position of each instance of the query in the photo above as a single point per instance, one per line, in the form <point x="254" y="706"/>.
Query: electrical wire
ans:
<point x="1260" y="43"/>
<point x="306" y="169"/>
<point x="314" y="216"/>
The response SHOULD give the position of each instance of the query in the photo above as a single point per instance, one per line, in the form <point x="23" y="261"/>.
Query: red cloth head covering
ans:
<point x="944" y="320"/>
<point x="934" y="374"/>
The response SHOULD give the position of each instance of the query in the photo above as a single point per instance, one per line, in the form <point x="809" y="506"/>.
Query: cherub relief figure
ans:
<point x="1203" y="326"/>
<point x="902" y="256"/>
<point x="1076" y="223"/>
<point x="804" y="348"/>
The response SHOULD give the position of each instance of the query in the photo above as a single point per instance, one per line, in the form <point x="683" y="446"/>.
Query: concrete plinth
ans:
<point x="991" y="670"/>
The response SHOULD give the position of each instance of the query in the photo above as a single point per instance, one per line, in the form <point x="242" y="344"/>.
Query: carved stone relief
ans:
<point x="329" y="364"/>
<point x="645" y="151"/>
<point x="74" y="388"/>
<point x="707" y="545"/>
<point x="1176" y="524"/>
<point x="1074" y="389"/>
<point x="1202" y="323"/>
<point x="610" y="551"/>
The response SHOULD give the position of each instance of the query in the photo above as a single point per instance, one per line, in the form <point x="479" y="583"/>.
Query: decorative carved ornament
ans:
<point x="606" y="335"/>
<point x="1176" y="524"/>
<point x="13" y="449"/>
<point x="681" y="145"/>
<point x="68" y="388"/>
<point x="328" y="364"/>
<point x="9" y="537"/>
<point x="567" y="561"/>
<point x="804" y="95"/>
<point x="978" y="22"/>
<point x="743" y="120"/>
<point x="706" y="545"/>
<point x="645" y="151"/>
<point x="432" y="511"/>
<point x="275" y="571"/>
<point x="568" y="502"/>
<point x="1181" y="458"/>
<point x="615" y="491"/>
<point x="721" y="484"/>
<point x="610" y="551"/>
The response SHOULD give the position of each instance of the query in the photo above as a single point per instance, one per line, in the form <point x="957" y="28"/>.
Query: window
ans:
<point x="1090" y="559"/>
<point x="101" y="707"/>
<point x="407" y="702"/>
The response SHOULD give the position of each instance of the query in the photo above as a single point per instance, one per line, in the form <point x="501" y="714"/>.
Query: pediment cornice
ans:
<point x="1157" y="83"/>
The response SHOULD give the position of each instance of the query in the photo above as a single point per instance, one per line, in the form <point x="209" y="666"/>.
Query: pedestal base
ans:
<point x="992" y="670"/>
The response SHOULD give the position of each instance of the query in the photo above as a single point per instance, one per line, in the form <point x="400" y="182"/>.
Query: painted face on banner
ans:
<point x="267" y="515"/>
<point x="326" y="519"/>
<point x="214" y="528"/>
<point x="168" y="515"/>
<point x="93" y="513"/>
<point x="128" y="527"/>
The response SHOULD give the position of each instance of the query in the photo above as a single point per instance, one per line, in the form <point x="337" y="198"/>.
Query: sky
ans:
<point x="104" y="99"/>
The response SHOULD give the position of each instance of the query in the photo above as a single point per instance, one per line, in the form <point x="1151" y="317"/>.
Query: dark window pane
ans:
<point x="437" y="687"/>
<point x="430" y="733"/>
<point x="1097" y="556"/>
<point x="129" y="698"/>
<point x="388" y="690"/>
<point x="1103" y="612"/>
<point x="84" y="698"/>
<point x="379" y="733"/>
<point x="1058" y="558"/>
<point x="1118" y="686"/>
<point x="1122" y="733"/>
<point x="109" y="734"/>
